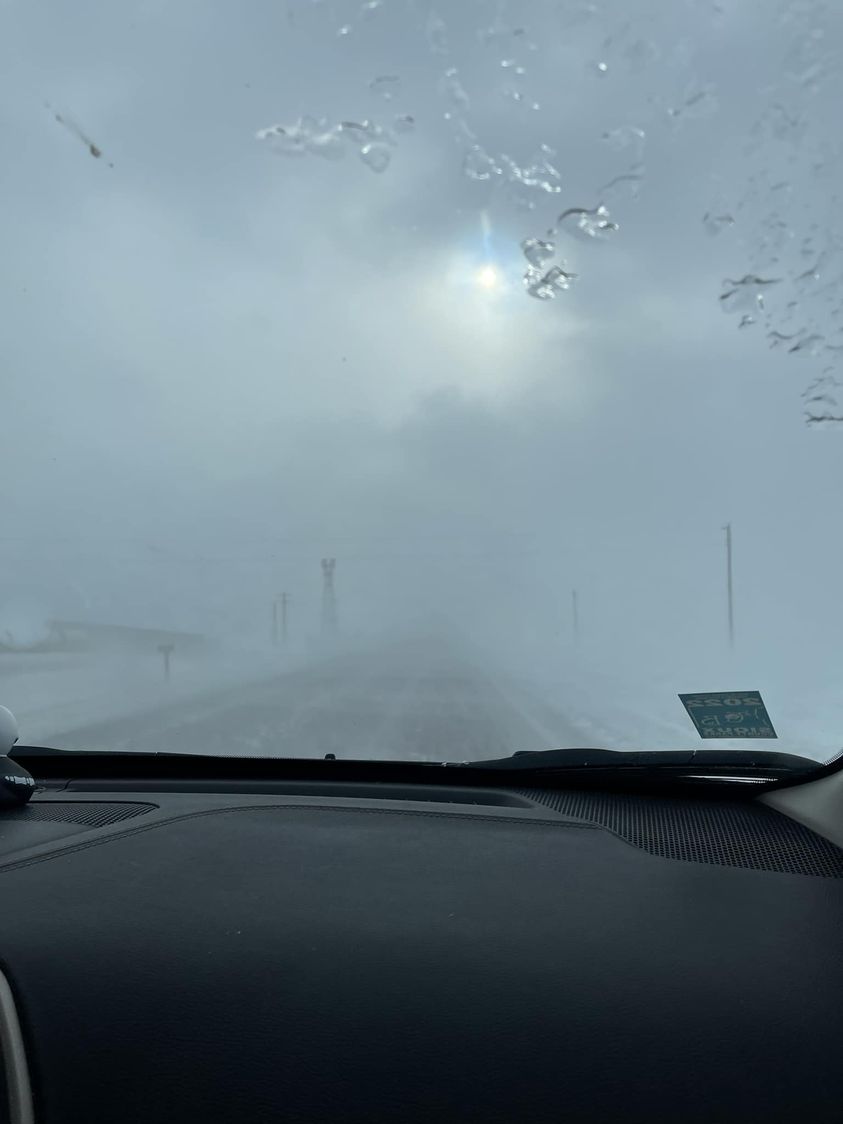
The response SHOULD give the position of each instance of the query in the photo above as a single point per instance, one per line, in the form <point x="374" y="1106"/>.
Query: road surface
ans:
<point x="410" y="701"/>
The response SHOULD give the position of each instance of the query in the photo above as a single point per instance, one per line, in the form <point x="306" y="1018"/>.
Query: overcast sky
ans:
<point x="220" y="362"/>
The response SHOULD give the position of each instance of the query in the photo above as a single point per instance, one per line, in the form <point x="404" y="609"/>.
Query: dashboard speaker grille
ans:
<point x="723" y="833"/>
<point x="90" y="814"/>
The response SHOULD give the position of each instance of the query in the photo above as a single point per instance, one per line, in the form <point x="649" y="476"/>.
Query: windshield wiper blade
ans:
<point x="654" y="760"/>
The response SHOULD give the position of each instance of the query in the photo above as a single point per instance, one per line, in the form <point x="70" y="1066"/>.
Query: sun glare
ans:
<point x="488" y="277"/>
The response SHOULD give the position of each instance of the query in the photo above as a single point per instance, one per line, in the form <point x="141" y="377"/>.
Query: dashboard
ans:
<point x="311" y="951"/>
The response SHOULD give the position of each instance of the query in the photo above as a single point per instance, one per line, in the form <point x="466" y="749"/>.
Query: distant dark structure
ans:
<point x="329" y="599"/>
<point x="87" y="636"/>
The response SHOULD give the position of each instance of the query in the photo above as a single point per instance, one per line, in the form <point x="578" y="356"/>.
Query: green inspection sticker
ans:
<point x="729" y="714"/>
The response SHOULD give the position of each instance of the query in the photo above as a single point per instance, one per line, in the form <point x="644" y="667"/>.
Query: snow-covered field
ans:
<point x="50" y="693"/>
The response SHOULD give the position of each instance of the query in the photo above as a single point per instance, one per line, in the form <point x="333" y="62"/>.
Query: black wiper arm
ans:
<point x="575" y="758"/>
<point x="555" y="758"/>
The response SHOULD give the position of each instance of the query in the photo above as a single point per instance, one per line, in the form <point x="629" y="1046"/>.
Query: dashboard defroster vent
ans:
<point x="88" y="814"/>
<point x="750" y="836"/>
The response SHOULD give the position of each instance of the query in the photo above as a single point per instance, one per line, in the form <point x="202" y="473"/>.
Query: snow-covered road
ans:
<point x="410" y="700"/>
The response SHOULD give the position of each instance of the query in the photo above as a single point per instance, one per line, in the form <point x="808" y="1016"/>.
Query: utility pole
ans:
<point x="729" y="586"/>
<point x="283" y="600"/>
<point x="166" y="651"/>
<point x="329" y="600"/>
<point x="575" y="615"/>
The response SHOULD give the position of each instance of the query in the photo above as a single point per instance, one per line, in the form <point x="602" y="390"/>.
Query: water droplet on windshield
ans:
<point x="287" y="140"/>
<point x="534" y="284"/>
<point x="746" y="321"/>
<point x="327" y="143"/>
<point x="600" y="68"/>
<point x="537" y="252"/>
<point x="385" y="86"/>
<point x="714" y="224"/>
<point x="778" y="339"/>
<point x="541" y="173"/>
<point x="747" y="294"/>
<point x="478" y="164"/>
<point x="404" y="123"/>
<point x="587" y="224"/>
<point x="376" y="155"/>
<point x="546" y="286"/>
<point x="306" y="135"/>
<point x="808" y="346"/>
<point x="822" y="390"/>
<point x="363" y="132"/>
<point x="810" y="277"/>
<point x="453" y="89"/>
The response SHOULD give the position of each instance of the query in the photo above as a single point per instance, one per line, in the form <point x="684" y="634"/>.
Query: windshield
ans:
<point x="416" y="380"/>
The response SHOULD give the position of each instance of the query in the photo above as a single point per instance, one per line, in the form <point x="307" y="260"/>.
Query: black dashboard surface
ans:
<point x="237" y="958"/>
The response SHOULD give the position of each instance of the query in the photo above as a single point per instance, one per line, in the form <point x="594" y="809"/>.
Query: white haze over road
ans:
<point x="331" y="279"/>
